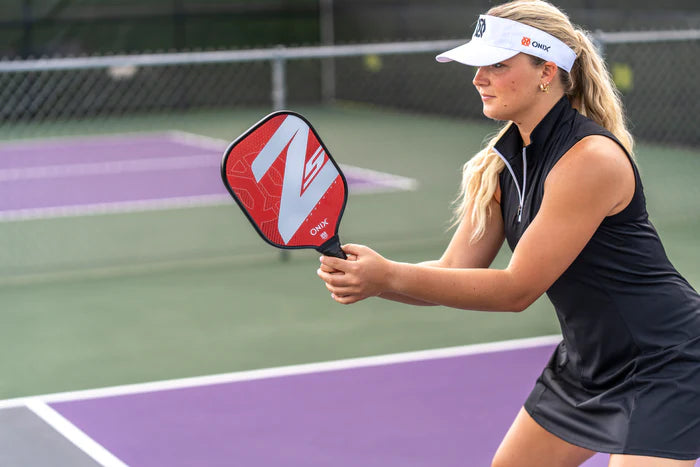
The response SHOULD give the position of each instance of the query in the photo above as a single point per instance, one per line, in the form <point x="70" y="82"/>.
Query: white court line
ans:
<point x="380" y="183"/>
<point x="384" y="183"/>
<point x="109" y="167"/>
<point x="127" y="136"/>
<point x="383" y="178"/>
<point x="193" y="139"/>
<point x="176" y="162"/>
<point x="387" y="180"/>
<point x="117" y="207"/>
<point x="291" y="370"/>
<point x="380" y="178"/>
<point x="74" y="434"/>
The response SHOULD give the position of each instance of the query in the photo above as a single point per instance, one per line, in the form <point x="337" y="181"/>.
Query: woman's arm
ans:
<point x="460" y="253"/>
<point x="593" y="180"/>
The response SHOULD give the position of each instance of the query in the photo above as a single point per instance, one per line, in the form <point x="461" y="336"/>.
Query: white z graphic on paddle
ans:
<point x="302" y="187"/>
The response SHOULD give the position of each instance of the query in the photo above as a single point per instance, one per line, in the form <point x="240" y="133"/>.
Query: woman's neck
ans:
<point x="529" y="122"/>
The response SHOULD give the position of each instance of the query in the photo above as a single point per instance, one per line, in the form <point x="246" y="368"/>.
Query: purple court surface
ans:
<point x="444" y="407"/>
<point x="75" y="176"/>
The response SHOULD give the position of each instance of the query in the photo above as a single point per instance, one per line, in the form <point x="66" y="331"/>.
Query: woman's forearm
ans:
<point x="404" y="299"/>
<point x="470" y="289"/>
<point x="410" y="300"/>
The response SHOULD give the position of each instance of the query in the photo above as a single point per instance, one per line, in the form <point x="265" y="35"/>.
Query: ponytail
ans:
<point x="592" y="91"/>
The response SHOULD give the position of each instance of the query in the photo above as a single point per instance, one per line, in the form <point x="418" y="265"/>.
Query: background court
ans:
<point x="101" y="296"/>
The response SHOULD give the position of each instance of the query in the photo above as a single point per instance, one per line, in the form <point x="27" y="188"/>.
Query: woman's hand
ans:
<point x="364" y="274"/>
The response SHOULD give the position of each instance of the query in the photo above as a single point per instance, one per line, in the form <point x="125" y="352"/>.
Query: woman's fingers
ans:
<point x="341" y="264"/>
<point x="342" y="277"/>
<point x="347" y="299"/>
<point x="341" y="289"/>
<point x="335" y="279"/>
<point x="329" y="269"/>
<point x="352" y="249"/>
<point x="343" y="292"/>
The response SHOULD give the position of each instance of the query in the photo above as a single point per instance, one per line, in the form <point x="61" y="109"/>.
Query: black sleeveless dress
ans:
<point x="626" y="377"/>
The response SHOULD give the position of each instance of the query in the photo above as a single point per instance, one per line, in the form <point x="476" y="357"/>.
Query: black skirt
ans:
<point x="654" y="411"/>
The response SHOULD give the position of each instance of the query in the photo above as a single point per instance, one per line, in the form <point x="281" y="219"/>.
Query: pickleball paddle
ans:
<point x="286" y="182"/>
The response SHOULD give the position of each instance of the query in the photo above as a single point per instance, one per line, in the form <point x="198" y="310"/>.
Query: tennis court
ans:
<point x="440" y="407"/>
<point x="124" y="264"/>
<point x="82" y="176"/>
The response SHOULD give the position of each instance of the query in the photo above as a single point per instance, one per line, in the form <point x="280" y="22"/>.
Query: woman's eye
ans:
<point x="498" y="65"/>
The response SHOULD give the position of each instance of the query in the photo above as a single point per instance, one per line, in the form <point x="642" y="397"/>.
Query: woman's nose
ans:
<point x="480" y="77"/>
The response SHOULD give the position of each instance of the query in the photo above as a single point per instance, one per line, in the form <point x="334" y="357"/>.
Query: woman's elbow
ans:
<point x="519" y="307"/>
<point x="521" y="302"/>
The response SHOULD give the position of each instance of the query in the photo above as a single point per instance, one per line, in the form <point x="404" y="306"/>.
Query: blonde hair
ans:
<point x="588" y="86"/>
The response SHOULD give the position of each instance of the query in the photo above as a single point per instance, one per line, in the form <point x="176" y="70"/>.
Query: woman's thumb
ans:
<point x="352" y="249"/>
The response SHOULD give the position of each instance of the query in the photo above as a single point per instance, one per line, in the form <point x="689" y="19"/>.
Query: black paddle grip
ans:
<point x="332" y="248"/>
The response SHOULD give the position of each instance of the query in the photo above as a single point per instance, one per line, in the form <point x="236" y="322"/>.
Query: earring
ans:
<point x="544" y="87"/>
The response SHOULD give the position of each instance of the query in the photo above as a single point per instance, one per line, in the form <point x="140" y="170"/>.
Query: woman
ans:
<point x="559" y="183"/>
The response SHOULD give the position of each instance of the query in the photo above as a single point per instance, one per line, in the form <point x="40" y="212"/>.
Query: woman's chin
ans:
<point x="491" y="114"/>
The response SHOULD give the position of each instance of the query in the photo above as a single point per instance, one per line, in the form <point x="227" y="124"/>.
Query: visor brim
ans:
<point x="476" y="53"/>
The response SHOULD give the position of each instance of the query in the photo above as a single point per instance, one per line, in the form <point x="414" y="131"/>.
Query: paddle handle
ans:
<point x="332" y="248"/>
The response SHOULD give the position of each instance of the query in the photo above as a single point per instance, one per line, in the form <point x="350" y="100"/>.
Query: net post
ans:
<point x="327" y="64"/>
<point x="279" y="80"/>
<point x="279" y="99"/>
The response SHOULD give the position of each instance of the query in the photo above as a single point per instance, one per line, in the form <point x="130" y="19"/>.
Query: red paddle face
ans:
<point x="286" y="182"/>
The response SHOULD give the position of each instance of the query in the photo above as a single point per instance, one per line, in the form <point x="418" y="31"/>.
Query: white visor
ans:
<point x="497" y="39"/>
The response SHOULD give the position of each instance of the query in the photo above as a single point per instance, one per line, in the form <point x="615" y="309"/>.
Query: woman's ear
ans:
<point x="549" y="71"/>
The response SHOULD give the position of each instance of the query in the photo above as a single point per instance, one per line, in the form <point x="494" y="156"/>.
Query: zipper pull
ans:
<point x="520" y="212"/>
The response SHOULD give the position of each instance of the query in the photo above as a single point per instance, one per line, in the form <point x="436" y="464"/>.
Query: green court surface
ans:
<point x="112" y="299"/>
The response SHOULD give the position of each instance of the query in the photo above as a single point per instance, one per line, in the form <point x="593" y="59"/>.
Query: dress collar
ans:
<point x="510" y="144"/>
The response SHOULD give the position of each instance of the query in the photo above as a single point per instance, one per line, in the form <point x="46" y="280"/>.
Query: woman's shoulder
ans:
<point x="594" y="144"/>
<point x="598" y="148"/>
<point x="597" y="163"/>
<point x="595" y="153"/>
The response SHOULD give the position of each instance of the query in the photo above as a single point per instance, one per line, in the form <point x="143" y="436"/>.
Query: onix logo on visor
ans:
<point x="525" y="41"/>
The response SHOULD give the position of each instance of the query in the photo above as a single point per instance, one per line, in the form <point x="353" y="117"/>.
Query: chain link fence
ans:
<point x="655" y="71"/>
<point x="156" y="92"/>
